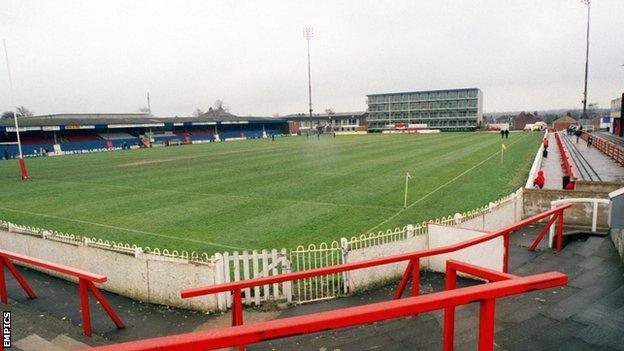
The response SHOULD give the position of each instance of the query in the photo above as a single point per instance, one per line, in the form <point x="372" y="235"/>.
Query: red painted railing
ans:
<point x="86" y="283"/>
<point x="614" y="151"/>
<point x="485" y="294"/>
<point x="366" y="314"/>
<point x="565" y="158"/>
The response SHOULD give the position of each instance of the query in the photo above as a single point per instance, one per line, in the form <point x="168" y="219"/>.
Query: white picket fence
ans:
<point x="248" y="265"/>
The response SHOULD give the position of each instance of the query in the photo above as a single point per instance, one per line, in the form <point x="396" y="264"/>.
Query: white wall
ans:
<point x="149" y="278"/>
<point x="362" y="278"/>
<point x="488" y="254"/>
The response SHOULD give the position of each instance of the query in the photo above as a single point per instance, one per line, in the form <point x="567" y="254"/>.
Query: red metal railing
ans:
<point x="218" y="338"/>
<point x="86" y="283"/>
<point x="565" y="158"/>
<point x="614" y="151"/>
<point x="486" y="295"/>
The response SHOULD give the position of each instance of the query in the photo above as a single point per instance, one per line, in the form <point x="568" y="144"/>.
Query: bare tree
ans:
<point x="145" y="110"/>
<point x="219" y="105"/>
<point x="329" y="111"/>
<point x="198" y="112"/>
<point x="23" y="111"/>
<point x="9" y="114"/>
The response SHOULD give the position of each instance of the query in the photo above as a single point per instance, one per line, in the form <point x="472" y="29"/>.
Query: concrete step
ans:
<point x="67" y="343"/>
<point x="34" y="342"/>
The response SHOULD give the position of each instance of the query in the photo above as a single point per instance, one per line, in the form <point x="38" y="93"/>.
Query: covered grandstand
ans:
<point x="91" y="132"/>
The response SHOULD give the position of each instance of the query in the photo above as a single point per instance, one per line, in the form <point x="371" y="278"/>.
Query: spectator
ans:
<point x="567" y="184"/>
<point x="578" y="133"/>
<point x="539" y="180"/>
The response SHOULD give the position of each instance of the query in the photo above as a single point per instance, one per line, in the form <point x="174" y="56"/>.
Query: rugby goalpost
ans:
<point x="22" y="163"/>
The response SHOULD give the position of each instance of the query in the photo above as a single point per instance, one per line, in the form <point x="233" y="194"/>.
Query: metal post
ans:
<point x="237" y="312"/>
<point x="308" y="33"/>
<point x="506" y="253"/>
<point x="84" y="305"/>
<point x="449" y="312"/>
<point x="560" y="232"/>
<point x="22" y="164"/>
<point x="588" y="3"/>
<point x="486" y="325"/>
<point x="416" y="277"/>
<point x="3" y="290"/>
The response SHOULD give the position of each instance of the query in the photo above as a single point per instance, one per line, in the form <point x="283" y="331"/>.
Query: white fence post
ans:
<point x="221" y="300"/>
<point x="344" y="248"/>
<point x="409" y="231"/>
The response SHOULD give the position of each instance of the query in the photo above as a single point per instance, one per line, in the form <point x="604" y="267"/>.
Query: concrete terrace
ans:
<point x="588" y="314"/>
<point x="588" y="163"/>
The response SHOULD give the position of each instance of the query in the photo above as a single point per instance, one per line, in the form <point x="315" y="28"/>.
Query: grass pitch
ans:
<point x="261" y="194"/>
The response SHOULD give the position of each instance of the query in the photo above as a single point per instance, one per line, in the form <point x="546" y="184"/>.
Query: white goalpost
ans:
<point x="22" y="164"/>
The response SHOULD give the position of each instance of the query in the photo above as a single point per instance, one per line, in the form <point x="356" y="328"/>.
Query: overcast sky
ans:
<point x="103" y="56"/>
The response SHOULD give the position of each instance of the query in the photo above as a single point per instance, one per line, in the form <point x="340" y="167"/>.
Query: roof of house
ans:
<point x="565" y="119"/>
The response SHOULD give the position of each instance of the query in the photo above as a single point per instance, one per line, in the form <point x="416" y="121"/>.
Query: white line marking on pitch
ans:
<point x="125" y="229"/>
<point x="224" y="195"/>
<point x="438" y="188"/>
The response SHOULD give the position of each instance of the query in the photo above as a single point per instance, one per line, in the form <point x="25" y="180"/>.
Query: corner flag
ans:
<point x="408" y="176"/>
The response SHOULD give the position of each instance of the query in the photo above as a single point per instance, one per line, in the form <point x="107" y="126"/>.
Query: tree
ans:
<point x="219" y="105"/>
<point x="198" y="112"/>
<point x="9" y="114"/>
<point x="23" y="111"/>
<point x="329" y="111"/>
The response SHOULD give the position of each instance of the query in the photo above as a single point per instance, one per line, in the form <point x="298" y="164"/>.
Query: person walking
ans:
<point x="590" y="140"/>
<point x="502" y="134"/>
<point x="545" y="142"/>
<point x="506" y="133"/>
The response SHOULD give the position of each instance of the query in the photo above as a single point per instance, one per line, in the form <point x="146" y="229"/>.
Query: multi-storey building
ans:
<point x="447" y="110"/>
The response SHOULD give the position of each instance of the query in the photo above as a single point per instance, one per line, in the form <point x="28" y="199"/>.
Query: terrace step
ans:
<point x="62" y="342"/>
<point x="34" y="342"/>
<point x="67" y="343"/>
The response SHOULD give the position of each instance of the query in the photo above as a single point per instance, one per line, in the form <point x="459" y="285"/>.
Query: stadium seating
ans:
<point x="118" y="139"/>
<point x="202" y="135"/>
<point x="36" y="141"/>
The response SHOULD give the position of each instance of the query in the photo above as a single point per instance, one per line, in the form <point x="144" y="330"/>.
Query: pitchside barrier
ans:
<point x="500" y="284"/>
<point x="86" y="284"/>
<point x="153" y="286"/>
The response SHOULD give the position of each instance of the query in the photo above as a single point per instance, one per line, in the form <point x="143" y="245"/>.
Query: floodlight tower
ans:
<point x="308" y="33"/>
<point x="22" y="164"/>
<point x="584" y="116"/>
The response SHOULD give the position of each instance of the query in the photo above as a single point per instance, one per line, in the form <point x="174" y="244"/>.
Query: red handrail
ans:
<point x="565" y="158"/>
<point x="607" y="147"/>
<point x="86" y="282"/>
<point x="353" y="316"/>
